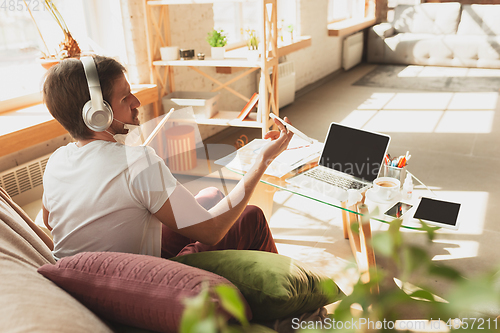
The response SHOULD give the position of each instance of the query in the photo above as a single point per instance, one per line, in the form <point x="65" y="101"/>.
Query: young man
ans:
<point x="100" y="195"/>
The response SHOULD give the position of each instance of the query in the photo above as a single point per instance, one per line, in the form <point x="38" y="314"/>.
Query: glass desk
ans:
<point x="376" y="208"/>
<point x="355" y="215"/>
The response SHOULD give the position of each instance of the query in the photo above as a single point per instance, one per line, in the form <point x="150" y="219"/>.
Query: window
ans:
<point x="237" y="17"/>
<point x="18" y="49"/>
<point x="20" y="43"/>
<point x="339" y="10"/>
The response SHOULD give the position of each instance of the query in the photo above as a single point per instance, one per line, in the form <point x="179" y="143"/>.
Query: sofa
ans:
<point x="440" y="34"/>
<point x="119" y="292"/>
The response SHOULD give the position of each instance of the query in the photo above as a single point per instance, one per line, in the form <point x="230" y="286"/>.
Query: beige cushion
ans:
<point x="30" y="302"/>
<point x="427" y="18"/>
<point x="444" y="50"/>
<point x="480" y="20"/>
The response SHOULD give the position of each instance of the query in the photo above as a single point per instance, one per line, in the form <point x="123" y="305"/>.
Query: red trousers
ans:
<point x="249" y="232"/>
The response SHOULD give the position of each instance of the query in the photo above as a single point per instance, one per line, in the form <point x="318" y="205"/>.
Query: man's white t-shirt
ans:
<point x="102" y="197"/>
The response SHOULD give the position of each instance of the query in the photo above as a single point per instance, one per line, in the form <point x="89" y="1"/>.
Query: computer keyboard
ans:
<point x="334" y="180"/>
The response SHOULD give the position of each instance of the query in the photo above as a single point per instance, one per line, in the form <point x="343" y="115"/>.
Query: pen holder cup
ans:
<point x="394" y="172"/>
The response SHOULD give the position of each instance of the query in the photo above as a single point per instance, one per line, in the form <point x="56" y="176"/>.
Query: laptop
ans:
<point x="351" y="159"/>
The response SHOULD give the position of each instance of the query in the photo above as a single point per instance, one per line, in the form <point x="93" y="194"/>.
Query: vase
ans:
<point x="47" y="63"/>
<point x="169" y="53"/>
<point x="217" y="53"/>
<point x="253" y="55"/>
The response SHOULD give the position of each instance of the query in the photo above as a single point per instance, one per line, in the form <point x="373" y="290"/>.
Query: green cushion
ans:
<point x="275" y="286"/>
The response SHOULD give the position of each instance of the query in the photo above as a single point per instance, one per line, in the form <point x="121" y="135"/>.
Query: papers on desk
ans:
<point x="298" y="153"/>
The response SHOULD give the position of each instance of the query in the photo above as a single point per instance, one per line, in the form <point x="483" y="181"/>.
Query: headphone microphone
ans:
<point x="97" y="113"/>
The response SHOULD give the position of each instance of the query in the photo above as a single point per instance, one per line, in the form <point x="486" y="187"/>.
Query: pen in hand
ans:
<point x="292" y="129"/>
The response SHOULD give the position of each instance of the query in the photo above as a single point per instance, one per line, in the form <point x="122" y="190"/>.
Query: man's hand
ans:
<point x="279" y="142"/>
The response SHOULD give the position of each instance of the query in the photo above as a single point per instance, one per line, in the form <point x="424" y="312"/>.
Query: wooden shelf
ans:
<point x="283" y="49"/>
<point x="161" y="72"/>
<point x="188" y="2"/>
<point x="208" y="63"/>
<point x="228" y="118"/>
<point x="350" y="26"/>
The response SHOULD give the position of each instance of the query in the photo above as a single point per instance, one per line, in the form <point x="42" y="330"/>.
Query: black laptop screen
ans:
<point x="355" y="152"/>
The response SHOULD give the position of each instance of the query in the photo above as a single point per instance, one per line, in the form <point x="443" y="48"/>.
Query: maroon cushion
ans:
<point x="137" y="290"/>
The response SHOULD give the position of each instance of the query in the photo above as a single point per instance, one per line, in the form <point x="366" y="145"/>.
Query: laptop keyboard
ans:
<point x="334" y="180"/>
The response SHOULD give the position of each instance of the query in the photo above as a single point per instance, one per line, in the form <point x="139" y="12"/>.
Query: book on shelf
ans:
<point x="249" y="106"/>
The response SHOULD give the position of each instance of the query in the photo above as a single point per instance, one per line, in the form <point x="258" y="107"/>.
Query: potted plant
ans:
<point x="68" y="48"/>
<point x="217" y="40"/>
<point x="289" y="29"/>
<point x="253" y="45"/>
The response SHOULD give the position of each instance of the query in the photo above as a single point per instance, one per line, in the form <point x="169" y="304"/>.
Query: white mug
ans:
<point x="169" y="53"/>
<point x="386" y="188"/>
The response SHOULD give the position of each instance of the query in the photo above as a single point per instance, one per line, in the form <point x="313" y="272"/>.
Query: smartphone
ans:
<point x="398" y="210"/>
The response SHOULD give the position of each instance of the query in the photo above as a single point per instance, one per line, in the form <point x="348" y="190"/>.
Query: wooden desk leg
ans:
<point x="366" y="249"/>
<point x="360" y="242"/>
<point x="263" y="197"/>
<point x="345" y="220"/>
<point x="346" y="216"/>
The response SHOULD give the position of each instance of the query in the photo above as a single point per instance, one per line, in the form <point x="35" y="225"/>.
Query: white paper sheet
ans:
<point x="298" y="153"/>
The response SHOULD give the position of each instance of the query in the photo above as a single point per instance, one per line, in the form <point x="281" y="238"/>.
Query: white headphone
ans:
<point x="97" y="113"/>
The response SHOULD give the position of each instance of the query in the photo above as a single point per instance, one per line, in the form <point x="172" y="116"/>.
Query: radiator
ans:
<point x="286" y="83"/>
<point x="24" y="182"/>
<point x="352" y="50"/>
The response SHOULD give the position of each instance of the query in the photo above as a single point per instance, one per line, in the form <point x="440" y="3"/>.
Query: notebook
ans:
<point x="351" y="159"/>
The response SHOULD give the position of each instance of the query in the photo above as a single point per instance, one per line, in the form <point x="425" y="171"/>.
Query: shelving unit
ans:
<point x="158" y="31"/>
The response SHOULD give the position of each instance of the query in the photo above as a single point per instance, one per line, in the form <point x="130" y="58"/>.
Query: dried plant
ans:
<point x="68" y="48"/>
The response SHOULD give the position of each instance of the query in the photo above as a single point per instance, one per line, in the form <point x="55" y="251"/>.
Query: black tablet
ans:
<point x="438" y="212"/>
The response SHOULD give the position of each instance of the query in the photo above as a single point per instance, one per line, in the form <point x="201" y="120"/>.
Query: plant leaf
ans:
<point x="445" y="271"/>
<point x="232" y="302"/>
<point x="423" y="294"/>
<point x="383" y="243"/>
<point x="430" y="230"/>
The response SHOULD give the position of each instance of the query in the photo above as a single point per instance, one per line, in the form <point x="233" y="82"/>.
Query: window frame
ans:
<point x="368" y="14"/>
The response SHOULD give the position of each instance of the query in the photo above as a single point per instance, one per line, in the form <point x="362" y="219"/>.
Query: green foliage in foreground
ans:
<point x="463" y="306"/>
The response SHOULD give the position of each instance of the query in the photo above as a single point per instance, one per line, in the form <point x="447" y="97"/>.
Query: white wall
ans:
<point x="323" y="57"/>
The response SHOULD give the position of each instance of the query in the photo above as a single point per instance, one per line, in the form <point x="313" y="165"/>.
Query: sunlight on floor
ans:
<point x="457" y="249"/>
<point x="429" y="71"/>
<point x="425" y="113"/>
<point x="472" y="212"/>
<point x="465" y="122"/>
<point x="404" y="121"/>
<point x="419" y="101"/>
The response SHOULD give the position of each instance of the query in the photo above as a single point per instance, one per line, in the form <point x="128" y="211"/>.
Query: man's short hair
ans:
<point x="65" y="91"/>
